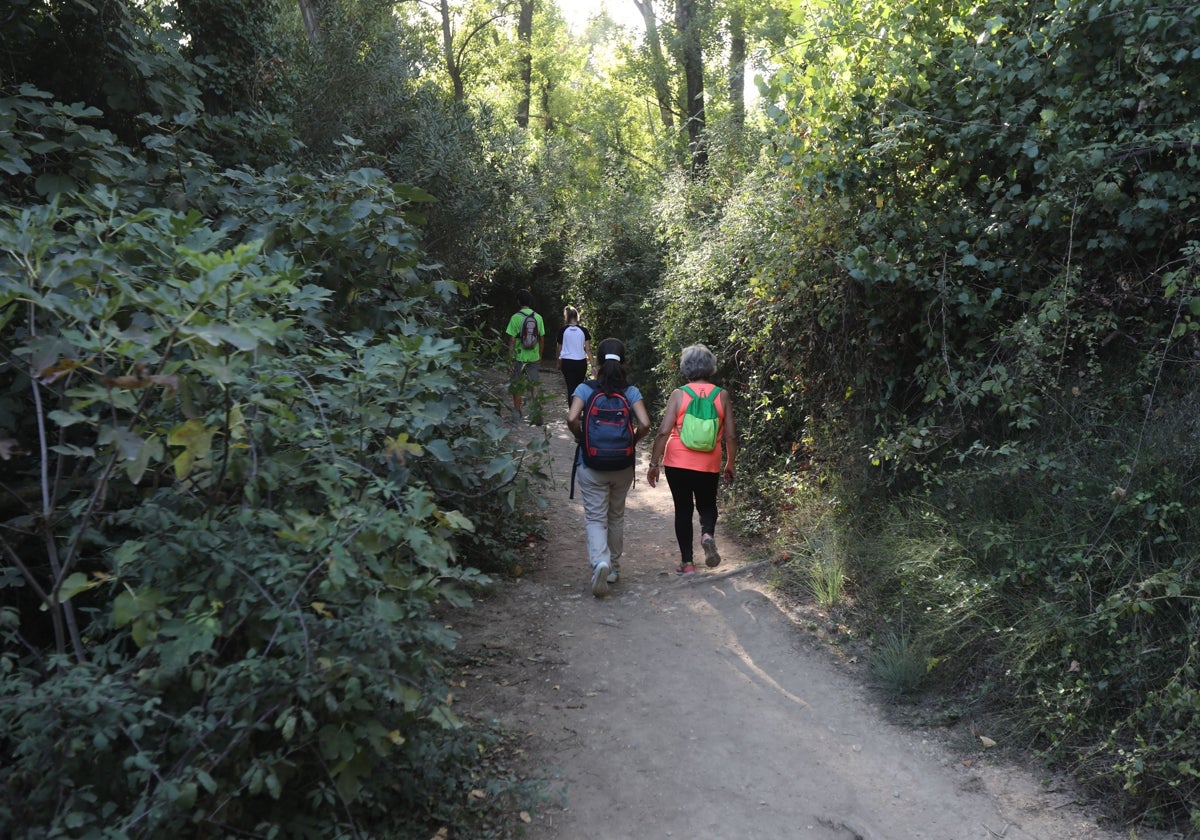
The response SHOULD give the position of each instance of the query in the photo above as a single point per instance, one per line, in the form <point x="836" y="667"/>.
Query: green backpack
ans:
<point x="698" y="431"/>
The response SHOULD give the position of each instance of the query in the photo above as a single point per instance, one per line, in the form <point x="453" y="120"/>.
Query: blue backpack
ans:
<point x="607" y="441"/>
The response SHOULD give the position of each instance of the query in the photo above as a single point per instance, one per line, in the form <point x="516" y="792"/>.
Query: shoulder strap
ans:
<point x="689" y="392"/>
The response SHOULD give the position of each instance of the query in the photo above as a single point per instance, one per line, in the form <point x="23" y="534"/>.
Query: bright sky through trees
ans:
<point x="577" y="12"/>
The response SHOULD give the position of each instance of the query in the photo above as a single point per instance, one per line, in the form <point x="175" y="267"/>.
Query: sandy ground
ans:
<point x="702" y="708"/>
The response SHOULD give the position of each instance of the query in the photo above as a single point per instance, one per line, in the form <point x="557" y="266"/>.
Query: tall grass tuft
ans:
<point x="899" y="665"/>
<point x="826" y="577"/>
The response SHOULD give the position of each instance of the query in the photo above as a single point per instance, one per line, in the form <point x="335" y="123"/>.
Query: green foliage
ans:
<point x="916" y="576"/>
<point x="960" y="292"/>
<point x="234" y="41"/>
<point x="231" y="506"/>
<point x="120" y="56"/>
<point x="615" y="258"/>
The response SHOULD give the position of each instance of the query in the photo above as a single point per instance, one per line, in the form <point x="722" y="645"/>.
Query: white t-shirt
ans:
<point x="572" y="340"/>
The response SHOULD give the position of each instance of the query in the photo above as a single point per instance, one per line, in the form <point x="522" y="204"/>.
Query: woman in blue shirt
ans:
<point x="604" y="490"/>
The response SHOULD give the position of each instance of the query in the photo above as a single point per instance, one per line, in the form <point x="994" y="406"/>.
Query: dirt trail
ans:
<point x="699" y="708"/>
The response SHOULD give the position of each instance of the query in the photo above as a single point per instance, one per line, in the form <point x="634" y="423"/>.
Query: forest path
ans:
<point x="700" y="708"/>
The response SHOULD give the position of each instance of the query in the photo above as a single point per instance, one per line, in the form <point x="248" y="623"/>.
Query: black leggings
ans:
<point x="574" y="371"/>
<point x="692" y="490"/>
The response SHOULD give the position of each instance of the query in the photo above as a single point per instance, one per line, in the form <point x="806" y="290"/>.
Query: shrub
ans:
<point x="229" y="517"/>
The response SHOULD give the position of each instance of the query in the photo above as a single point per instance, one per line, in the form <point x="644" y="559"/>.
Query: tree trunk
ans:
<point x="658" y="65"/>
<point x="312" y="21"/>
<point x="737" y="68"/>
<point x="452" y="68"/>
<point x="547" y="121"/>
<point x="692" y="60"/>
<point x="525" y="38"/>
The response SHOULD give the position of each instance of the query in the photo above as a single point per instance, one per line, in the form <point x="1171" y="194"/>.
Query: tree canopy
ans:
<point x="254" y="257"/>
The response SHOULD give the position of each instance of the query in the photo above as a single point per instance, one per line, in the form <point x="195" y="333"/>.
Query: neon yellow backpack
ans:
<point x="698" y="431"/>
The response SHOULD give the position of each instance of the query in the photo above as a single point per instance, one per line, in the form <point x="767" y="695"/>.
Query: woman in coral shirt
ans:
<point x="694" y="476"/>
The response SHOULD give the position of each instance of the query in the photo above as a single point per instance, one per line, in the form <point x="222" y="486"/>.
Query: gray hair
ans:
<point x="697" y="362"/>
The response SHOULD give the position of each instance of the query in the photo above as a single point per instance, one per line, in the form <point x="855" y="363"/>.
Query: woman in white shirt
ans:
<point x="574" y="351"/>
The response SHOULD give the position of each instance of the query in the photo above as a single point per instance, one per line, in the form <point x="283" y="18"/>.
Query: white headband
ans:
<point x="612" y="356"/>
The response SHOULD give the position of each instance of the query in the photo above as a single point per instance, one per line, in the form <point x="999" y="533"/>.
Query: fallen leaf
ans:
<point x="525" y="817"/>
<point x="987" y="742"/>
<point x="476" y="795"/>
<point x="52" y="373"/>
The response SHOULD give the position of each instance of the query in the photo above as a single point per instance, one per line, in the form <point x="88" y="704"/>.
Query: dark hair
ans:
<point x="525" y="297"/>
<point x="612" y="371"/>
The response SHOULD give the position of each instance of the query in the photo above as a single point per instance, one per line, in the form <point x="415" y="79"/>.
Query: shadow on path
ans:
<point x="695" y="707"/>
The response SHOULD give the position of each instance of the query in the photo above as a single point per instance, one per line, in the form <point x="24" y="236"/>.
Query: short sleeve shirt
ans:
<point x="586" y="389"/>
<point x="522" y="354"/>
<point x="572" y="338"/>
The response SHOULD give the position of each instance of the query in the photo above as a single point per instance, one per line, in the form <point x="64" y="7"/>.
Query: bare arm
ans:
<point x="574" y="414"/>
<point x="643" y="421"/>
<point x="729" y="436"/>
<point x="659" y="449"/>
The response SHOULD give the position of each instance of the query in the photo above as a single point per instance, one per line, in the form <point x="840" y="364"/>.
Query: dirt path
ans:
<point x="700" y="708"/>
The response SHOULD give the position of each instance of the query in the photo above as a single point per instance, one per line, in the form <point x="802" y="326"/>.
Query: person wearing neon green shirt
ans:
<point x="525" y="352"/>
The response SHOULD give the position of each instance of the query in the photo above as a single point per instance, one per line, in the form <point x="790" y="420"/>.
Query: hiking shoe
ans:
<point x="711" y="557"/>
<point x="615" y="574"/>
<point x="686" y="569"/>
<point x="600" y="579"/>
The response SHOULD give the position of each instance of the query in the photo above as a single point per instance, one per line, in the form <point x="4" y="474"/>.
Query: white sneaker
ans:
<point x="615" y="574"/>
<point x="600" y="579"/>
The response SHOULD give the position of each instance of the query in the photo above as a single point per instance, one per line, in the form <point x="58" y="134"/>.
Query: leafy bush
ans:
<point x="965" y="296"/>
<point x="228" y="518"/>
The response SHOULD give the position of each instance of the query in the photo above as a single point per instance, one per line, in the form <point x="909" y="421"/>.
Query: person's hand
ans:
<point x="730" y="472"/>
<point x="652" y="475"/>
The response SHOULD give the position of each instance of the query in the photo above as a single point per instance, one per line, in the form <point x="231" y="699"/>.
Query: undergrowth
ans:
<point x="1081" y="643"/>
